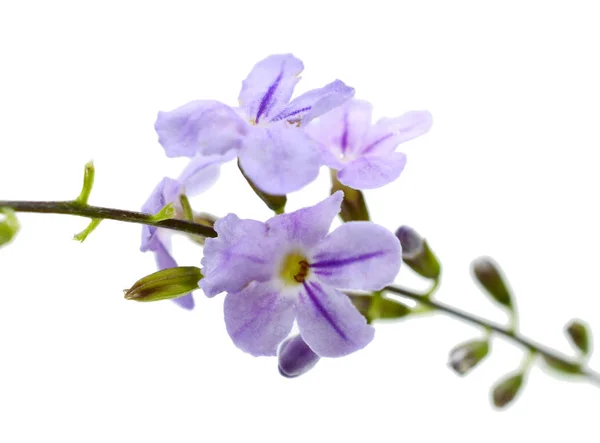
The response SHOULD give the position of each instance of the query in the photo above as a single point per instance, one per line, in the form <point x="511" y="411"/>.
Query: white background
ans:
<point x="508" y="170"/>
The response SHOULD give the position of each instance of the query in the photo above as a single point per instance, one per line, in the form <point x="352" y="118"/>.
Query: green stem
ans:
<point x="532" y="346"/>
<point x="95" y="212"/>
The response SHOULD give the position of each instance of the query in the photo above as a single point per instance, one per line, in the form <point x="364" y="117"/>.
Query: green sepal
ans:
<point x="354" y="206"/>
<point x="505" y="390"/>
<point x="165" y="284"/>
<point x="275" y="203"/>
<point x="580" y="336"/>
<point x="87" y="231"/>
<point x="563" y="367"/>
<point x="9" y="226"/>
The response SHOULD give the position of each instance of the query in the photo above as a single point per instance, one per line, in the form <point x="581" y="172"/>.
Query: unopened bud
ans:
<point x="9" y="225"/>
<point x="488" y="273"/>
<point x="354" y="206"/>
<point x="466" y="356"/>
<point x="295" y="357"/>
<point x="562" y="366"/>
<point x="165" y="284"/>
<point x="417" y="254"/>
<point x="506" y="390"/>
<point x="579" y="335"/>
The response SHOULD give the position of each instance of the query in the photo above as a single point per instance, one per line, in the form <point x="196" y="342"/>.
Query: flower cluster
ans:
<point x="289" y="270"/>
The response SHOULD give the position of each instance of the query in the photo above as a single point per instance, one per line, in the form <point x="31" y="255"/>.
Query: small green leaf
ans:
<point x="9" y="225"/>
<point x="87" y="231"/>
<point x="505" y="390"/>
<point x="354" y="206"/>
<point x="487" y="272"/>
<point x="562" y="366"/>
<point x="578" y="333"/>
<point x="275" y="203"/>
<point x="165" y="284"/>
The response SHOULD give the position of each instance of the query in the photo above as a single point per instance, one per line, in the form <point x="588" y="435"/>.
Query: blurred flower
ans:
<point x="199" y="175"/>
<point x="364" y="153"/>
<point x="274" y="153"/>
<point x="289" y="268"/>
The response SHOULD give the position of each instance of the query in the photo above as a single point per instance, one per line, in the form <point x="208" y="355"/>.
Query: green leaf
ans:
<point x="579" y="335"/>
<point x="9" y="225"/>
<point x="165" y="284"/>
<point x="275" y="203"/>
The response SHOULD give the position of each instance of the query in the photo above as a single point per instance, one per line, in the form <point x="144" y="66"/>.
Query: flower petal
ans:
<point x="385" y="135"/>
<point x="270" y="85"/>
<point x="241" y="253"/>
<point x="258" y="318"/>
<point x="358" y="255"/>
<point x="164" y="193"/>
<point x="202" y="172"/>
<point x="280" y="158"/>
<point x="199" y="127"/>
<point x="341" y="131"/>
<point x="329" y="323"/>
<point x="370" y="171"/>
<point x="307" y="226"/>
<point x="164" y="260"/>
<point x="314" y="103"/>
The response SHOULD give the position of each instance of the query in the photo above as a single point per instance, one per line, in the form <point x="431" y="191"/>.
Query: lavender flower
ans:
<point x="273" y="152"/>
<point x="290" y="268"/>
<point x="364" y="154"/>
<point x="200" y="174"/>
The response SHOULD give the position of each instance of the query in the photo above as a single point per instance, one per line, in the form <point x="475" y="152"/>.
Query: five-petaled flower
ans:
<point x="199" y="175"/>
<point x="364" y="154"/>
<point x="291" y="268"/>
<point x="265" y="131"/>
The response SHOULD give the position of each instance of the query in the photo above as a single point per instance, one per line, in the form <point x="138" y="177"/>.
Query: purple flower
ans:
<point x="291" y="268"/>
<point x="200" y="174"/>
<point x="364" y="153"/>
<point x="274" y="153"/>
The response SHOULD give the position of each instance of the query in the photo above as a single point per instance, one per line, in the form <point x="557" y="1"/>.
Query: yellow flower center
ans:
<point x="294" y="269"/>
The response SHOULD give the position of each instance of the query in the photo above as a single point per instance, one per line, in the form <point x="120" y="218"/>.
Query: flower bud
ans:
<point x="9" y="225"/>
<point x="354" y="206"/>
<point x="417" y="254"/>
<point x="466" y="356"/>
<point x="506" y="390"/>
<point x="562" y="366"/>
<point x="295" y="357"/>
<point x="579" y="335"/>
<point x="165" y="284"/>
<point x="488" y="273"/>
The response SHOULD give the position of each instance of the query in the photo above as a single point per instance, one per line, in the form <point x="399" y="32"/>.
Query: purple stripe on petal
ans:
<point x="344" y="138"/>
<point x="286" y="115"/>
<point x="267" y="101"/>
<point x="347" y="261"/>
<point x="315" y="301"/>
<point x="371" y="146"/>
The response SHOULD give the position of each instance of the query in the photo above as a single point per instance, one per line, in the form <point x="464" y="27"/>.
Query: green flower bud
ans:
<point x="9" y="225"/>
<point x="506" y="390"/>
<point x="488" y="273"/>
<point x="417" y="254"/>
<point x="579" y="334"/>
<point x="467" y="355"/>
<point x="354" y="206"/>
<point x="165" y="284"/>
<point x="562" y="366"/>
<point x="275" y="203"/>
